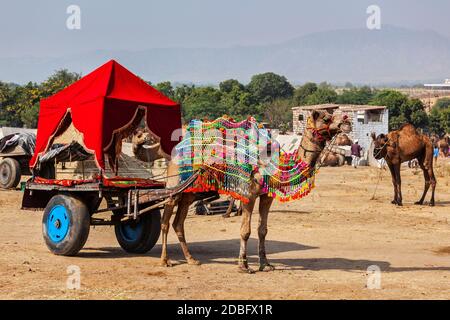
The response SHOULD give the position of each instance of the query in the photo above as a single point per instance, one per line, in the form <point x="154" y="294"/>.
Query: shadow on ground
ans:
<point x="226" y="252"/>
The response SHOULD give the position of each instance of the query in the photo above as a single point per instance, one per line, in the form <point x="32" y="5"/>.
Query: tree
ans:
<point x="353" y="95"/>
<point x="435" y="125"/>
<point x="414" y="112"/>
<point x="394" y="100"/>
<point x="58" y="81"/>
<point x="29" y="116"/>
<point x="302" y="93"/>
<point x="278" y="114"/>
<point x="445" y="120"/>
<point x="5" y="100"/>
<point x="440" y="116"/>
<point x="269" y="86"/>
<point x="203" y="103"/>
<point x="183" y="92"/>
<point x="323" y="94"/>
<point x="166" y="89"/>
<point x="228" y="85"/>
<point x="442" y="104"/>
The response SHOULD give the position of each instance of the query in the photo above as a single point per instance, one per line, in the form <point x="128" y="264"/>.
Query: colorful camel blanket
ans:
<point x="229" y="153"/>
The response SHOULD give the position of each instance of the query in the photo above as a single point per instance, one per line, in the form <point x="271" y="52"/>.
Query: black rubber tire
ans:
<point x="47" y="170"/>
<point x="79" y="225"/>
<point x="147" y="236"/>
<point x="10" y="173"/>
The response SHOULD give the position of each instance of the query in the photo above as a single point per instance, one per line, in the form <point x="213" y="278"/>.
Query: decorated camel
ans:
<point x="247" y="182"/>
<point x="403" y="145"/>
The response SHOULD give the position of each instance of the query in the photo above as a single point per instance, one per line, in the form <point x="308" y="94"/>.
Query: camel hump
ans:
<point x="407" y="128"/>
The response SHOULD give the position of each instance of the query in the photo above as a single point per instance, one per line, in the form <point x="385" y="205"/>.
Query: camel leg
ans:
<point x="165" y="220"/>
<point x="264" y="206"/>
<point x="178" y="225"/>
<point x="433" y="185"/>
<point x="428" y="166"/>
<point x="245" y="235"/>
<point x="394" y="182"/>
<point x="239" y="210"/>
<point x="426" y="177"/>
<point x="230" y="207"/>
<point x="399" y="185"/>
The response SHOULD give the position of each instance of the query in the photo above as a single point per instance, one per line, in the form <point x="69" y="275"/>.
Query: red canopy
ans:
<point x="103" y="106"/>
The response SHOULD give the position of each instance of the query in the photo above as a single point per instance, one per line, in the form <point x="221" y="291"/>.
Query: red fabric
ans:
<point x="103" y="101"/>
<point x="63" y="182"/>
<point x="122" y="182"/>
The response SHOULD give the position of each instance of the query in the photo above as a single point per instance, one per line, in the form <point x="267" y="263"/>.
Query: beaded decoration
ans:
<point x="229" y="153"/>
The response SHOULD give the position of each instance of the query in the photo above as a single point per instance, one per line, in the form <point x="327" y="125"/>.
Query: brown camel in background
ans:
<point x="402" y="145"/>
<point x="324" y="128"/>
<point x="443" y="145"/>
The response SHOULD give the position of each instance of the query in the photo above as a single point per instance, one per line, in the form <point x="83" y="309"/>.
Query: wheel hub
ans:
<point x="58" y="223"/>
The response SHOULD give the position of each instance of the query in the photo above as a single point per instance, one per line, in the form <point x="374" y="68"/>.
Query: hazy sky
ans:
<point x="38" y="28"/>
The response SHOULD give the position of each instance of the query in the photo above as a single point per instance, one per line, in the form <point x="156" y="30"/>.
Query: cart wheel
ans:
<point x="9" y="173"/>
<point x="139" y="236"/>
<point x="65" y="225"/>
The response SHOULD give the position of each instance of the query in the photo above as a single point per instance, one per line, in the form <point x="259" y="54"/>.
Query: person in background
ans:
<point x="435" y="153"/>
<point x="356" y="153"/>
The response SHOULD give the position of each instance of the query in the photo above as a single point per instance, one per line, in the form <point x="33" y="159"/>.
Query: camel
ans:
<point x="443" y="145"/>
<point x="402" y="145"/>
<point x="343" y="140"/>
<point x="323" y="128"/>
<point x="333" y="159"/>
<point x="146" y="146"/>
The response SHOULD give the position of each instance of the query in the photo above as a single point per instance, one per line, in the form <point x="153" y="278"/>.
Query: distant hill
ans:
<point x="386" y="56"/>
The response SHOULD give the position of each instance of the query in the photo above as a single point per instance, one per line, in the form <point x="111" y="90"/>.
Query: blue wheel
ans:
<point x="65" y="225"/>
<point x="58" y="223"/>
<point x="141" y="235"/>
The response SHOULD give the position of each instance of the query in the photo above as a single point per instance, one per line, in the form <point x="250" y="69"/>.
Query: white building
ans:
<point x="365" y="119"/>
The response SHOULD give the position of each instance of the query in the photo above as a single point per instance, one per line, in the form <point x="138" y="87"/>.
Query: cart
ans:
<point x="70" y="208"/>
<point x="104" y="107"/>
<point x="14" y="161"/>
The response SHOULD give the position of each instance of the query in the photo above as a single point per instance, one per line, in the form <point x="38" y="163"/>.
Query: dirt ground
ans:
<point x="321" y="246"/>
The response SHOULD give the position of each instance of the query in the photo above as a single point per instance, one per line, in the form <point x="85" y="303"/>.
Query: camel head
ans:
<point x="146" y="146"/>
<point x="326" y="126"/>
<point x="141" y="137"/>
<point x="380" y="143"/>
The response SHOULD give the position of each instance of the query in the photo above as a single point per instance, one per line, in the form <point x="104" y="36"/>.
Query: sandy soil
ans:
<point x="321" y="246"/>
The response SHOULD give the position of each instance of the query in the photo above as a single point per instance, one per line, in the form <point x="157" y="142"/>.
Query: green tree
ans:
<point x="445" y="120"/>
<point x="269" y="86"/>
<point x="302" y="93"/>
<point x="29" y="116"/>
<point x="203" y="103"/>
<point x="278" y="114"/>
<point x="166" y="89"/>
<point x="231" y="84"/>
<point x="58" y="81"/>
<point x="435" y="124"/>
<point x="354" y="95"/>
<point x="394" y="100"/>
<point x="324" y="94"/>
<point x="442" y="104"/>
<point x="182" y="92"/>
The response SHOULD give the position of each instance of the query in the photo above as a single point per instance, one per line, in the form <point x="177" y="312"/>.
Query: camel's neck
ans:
<point x="310" y="149"/>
